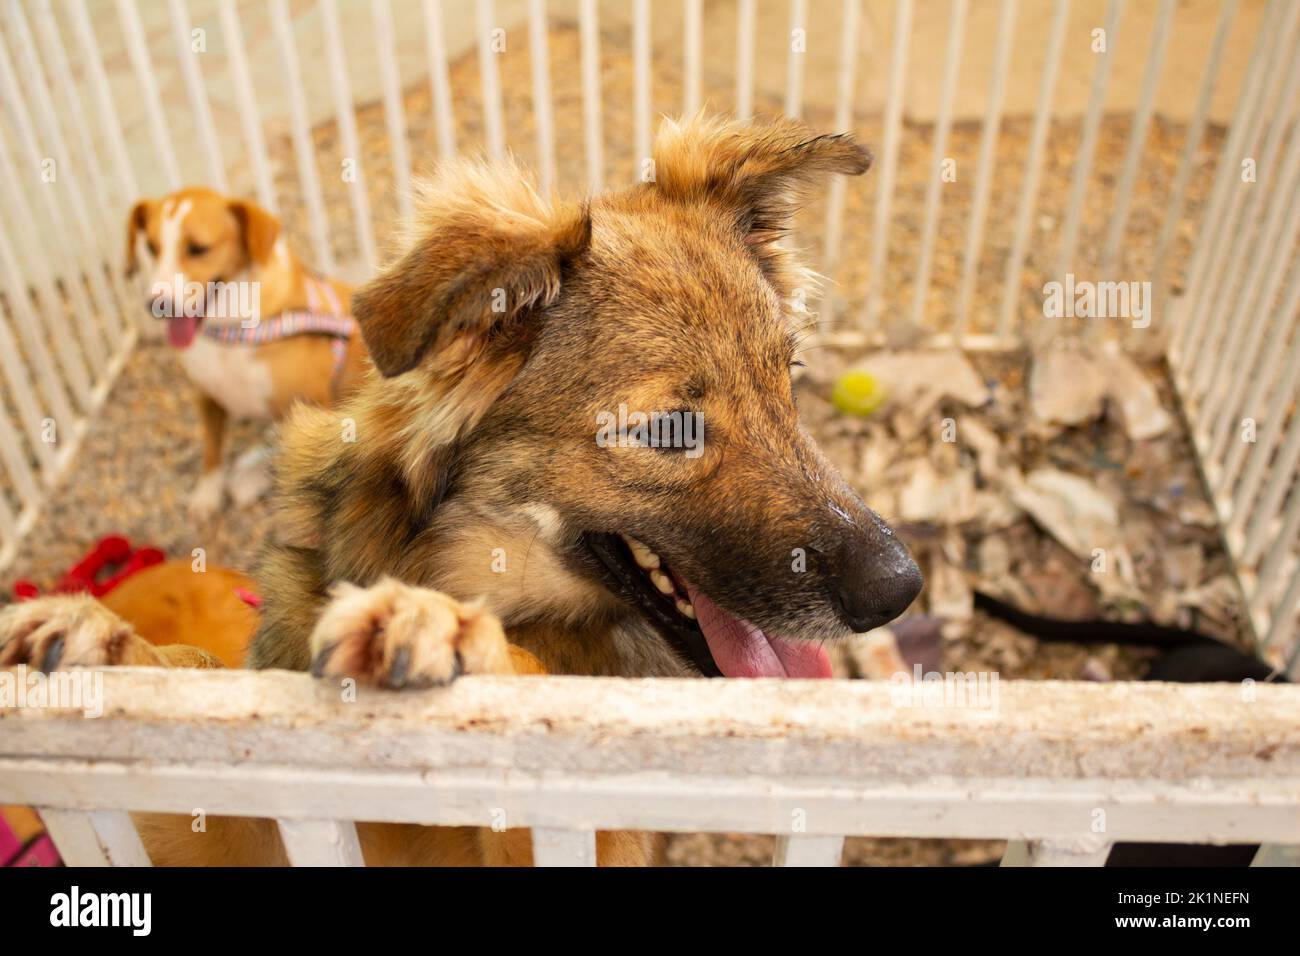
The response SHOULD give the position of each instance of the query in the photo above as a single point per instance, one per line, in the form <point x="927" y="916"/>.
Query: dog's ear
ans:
<point x="758" y="173"/>
<point x="260" y="229"/>
<point x="135" y="224"/>
<point x="485" y="248"/>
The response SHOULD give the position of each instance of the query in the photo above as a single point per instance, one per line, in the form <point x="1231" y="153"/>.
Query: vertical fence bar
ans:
<point x="21" y="390"/>
<point x="1257" y="134"/>
<point x="96" y="235"/>
<point x="439" y="79"/>
<point x="394" y="113"/>
<point x="1272" y="30"/>
<point x="692" y="55"/>
<point x="796" y="58"/>
<point x="347" y="123"/>
<point x="556" y="847"/>
<point x="885" y="186"/>
<point x="1033" y="168"/>
<point x="943" y="125"/>
<point x="1082" y="173"/>
<point x="987" y="156"/>
<point x="138" y="51"/>
<point x="1246" y="228"/>
<point x="20" y="308"/>
<point x="849" y="29"/>
<point x="249" y="115"/>
<point x="321" y="842"/>
<point x="303" y="149"/>
<point x="1137" y="137"/>
<point x="1238" y="361"/>
<point x="1281" y="476"/>
<point x="10" y="533"/>
<point x="1283" y="620"/>
<point x="808" y="851"/>
<point x="1283" y="536"/>
<point x="590" y="32"/>
<point x="1048" y="853"/>
<point x="490" y="78"/>
<point x="1195" y="132"/>
<point x="77" y="374"/>
<point x="67" y="181"/>
<point x="1261" y="380"/>
<point x="745" y="16"/>
<point x="97" y="838"/>
<point x="542" y="109"/>
<point x="98" y="81"/>
<point x="95" y="346"/>
<point x="14" y="455"/>
<point x="641" y="84"/>
<point x="1238" y="225"/>
<point x="105" y="212"/>
<point x="1285" y="527"/>
<point x="198" y="95"/>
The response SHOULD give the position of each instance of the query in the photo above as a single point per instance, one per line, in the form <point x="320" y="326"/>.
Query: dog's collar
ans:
<point x="282" y="326"/>
<point x="325" y="315"/>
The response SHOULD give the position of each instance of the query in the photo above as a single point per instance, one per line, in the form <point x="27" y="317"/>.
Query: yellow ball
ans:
<point x="857" y="393"/>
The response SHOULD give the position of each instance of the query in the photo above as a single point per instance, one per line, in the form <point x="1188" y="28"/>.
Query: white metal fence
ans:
<point x="70" y="165"/>
<point x="1061" y="769"/>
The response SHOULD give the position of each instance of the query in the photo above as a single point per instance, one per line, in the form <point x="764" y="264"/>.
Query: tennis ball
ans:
<point x="857" y="393"/>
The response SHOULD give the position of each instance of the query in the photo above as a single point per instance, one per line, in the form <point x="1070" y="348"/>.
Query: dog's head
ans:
<point x="617" y="375"/>
<point x="200" y="244"/>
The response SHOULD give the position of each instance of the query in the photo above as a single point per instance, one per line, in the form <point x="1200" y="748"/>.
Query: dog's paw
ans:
<point x="394" y="635"/>
<point x="249" y="485"/>
<point x="207" y="496"/>
<point x="69" y="631"/>
<point x="250" y="477"/>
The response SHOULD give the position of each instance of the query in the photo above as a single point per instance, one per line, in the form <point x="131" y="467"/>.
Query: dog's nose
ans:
<point x="876" y="581"/>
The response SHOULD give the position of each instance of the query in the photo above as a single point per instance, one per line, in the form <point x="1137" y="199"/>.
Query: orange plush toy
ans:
<point x="167" y="602"/>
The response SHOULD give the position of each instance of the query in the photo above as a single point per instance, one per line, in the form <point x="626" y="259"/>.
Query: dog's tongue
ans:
<point x="742" y="650"/>
<point x="180" y="330"/>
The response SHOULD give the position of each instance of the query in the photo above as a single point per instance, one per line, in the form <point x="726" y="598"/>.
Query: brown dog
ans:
<point x="475" y="490"/>
<point x="255" y="329"/>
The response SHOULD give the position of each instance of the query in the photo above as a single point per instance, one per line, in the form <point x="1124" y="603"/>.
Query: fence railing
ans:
<point x="1061" y="769"/>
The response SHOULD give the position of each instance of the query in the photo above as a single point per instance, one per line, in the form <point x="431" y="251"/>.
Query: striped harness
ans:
<point x="324" y="315"/>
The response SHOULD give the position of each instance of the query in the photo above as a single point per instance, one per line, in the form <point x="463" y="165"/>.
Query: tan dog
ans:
<point x="256" y="331"/>
<point x="488" y="519"/>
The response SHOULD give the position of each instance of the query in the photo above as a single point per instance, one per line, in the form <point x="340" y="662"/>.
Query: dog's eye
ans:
<point x="153" y="248"/>
<point x="197" y="250"/>
<point x="675" y="431"/>
<point x="797" y="364"/>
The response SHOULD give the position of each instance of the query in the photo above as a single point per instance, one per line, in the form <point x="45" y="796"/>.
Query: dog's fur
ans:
<point x="452" y="493"/>
<point x="200" y="236"/>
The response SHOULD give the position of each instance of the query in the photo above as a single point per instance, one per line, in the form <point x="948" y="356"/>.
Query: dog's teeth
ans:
<point x="645" y="558"/>
<point x="685" y="609"/>
<point x="662" y="582"/>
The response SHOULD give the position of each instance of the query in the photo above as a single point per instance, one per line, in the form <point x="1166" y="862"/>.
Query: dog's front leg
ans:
<point x="209" y="493"/>
<point x="395" y="635"/>
<point x="53" y="633"/>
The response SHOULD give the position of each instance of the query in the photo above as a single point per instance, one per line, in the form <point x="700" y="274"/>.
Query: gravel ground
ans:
<point x="141" y="454"/>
